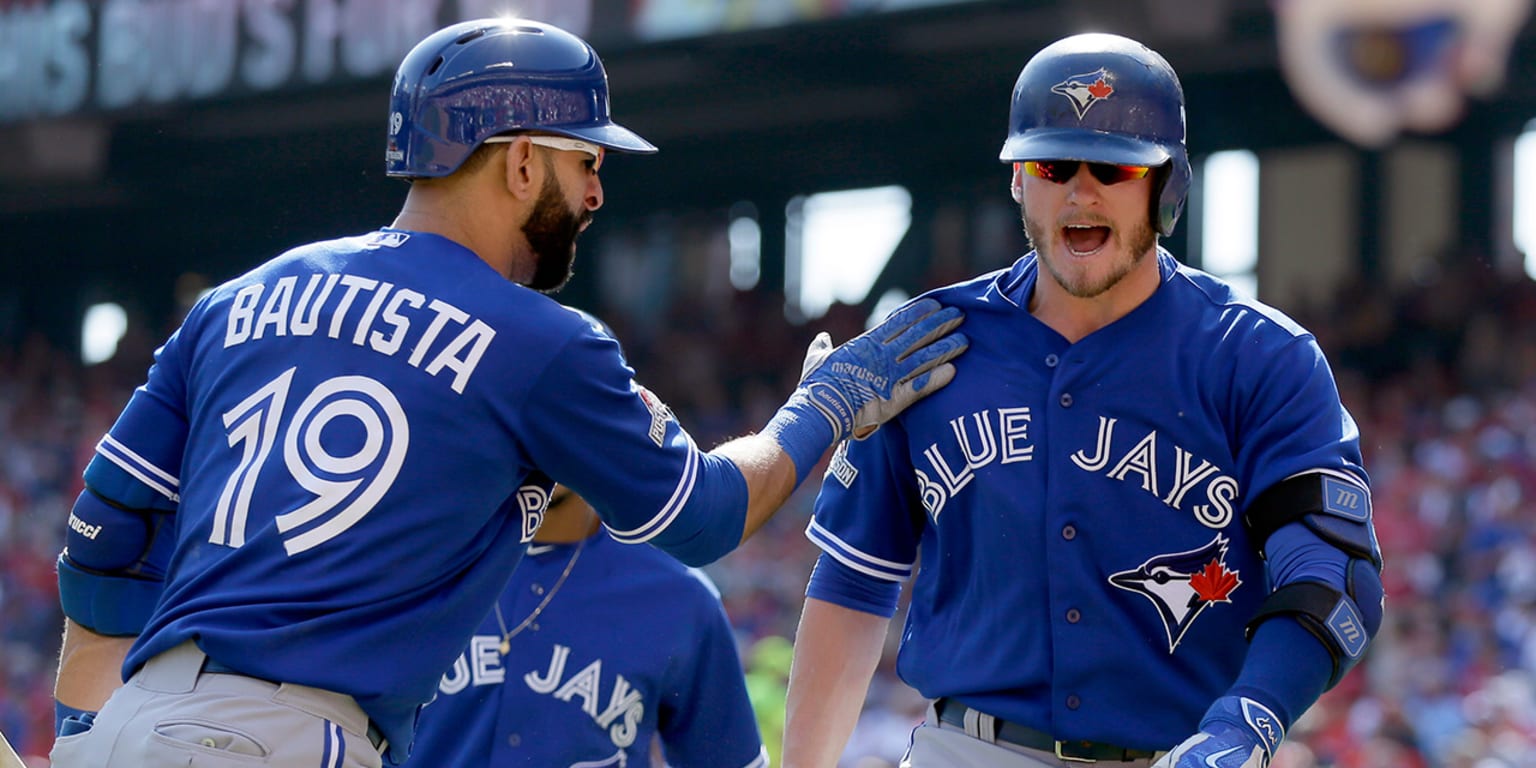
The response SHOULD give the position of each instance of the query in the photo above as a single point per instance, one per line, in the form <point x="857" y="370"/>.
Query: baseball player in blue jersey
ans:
<point x="340" y="456"/>
<point x="594" y="650"/>
<point x="1139" y="523"/>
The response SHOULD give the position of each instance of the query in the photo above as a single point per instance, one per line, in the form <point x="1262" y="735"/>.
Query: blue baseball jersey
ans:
<point x="1077" y="507"/>
<point x="359" y="438"/>
<point x="630" y="646"/>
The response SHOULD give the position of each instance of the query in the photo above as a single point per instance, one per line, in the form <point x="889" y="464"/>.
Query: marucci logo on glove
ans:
<point x="861" y="373"/>
<point x="865" y="382"/>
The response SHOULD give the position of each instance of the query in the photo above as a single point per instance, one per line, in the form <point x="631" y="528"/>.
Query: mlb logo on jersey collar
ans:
<point x="388" y="239"/>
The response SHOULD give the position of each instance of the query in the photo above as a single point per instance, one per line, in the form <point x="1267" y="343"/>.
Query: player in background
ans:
<point x="1139" y="520"/>
<point x="340" y="456"/>
<point x="594" y="651"/>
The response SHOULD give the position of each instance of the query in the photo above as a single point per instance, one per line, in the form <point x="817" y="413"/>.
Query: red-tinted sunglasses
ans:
<point x="1060" y="171"/>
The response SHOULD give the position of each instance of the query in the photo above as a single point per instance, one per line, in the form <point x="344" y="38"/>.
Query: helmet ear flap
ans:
<point x="1160" y="176"/>
<point x="1170" y="192"/>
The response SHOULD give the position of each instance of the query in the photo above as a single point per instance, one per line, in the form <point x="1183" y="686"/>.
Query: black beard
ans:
<point x="551" y="230"/>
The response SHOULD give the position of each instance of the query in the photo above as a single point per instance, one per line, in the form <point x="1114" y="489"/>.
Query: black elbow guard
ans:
<point x="1344" y="622"/>
<point x="1337" y="509"/>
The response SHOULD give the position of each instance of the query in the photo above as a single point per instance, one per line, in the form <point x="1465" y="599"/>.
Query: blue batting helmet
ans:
<point x="473" y="80"/>
<point x="1103" y="99"/>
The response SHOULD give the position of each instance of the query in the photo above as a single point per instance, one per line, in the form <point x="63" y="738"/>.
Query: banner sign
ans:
<point x="71" y="56"/>
<point x="65" y="57"/>
<point x="654" y="20"/>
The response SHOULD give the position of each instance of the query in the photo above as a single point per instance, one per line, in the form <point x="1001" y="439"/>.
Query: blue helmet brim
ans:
<point x="612" y="136"/>
<point x="1080" y="144"/>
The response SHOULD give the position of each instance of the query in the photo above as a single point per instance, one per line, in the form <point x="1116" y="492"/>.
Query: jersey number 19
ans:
<point x="349" y="485"/>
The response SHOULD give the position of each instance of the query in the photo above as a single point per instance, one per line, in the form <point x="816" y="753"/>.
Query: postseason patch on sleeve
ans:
<point x="841" y="468"/>
<point x="660" y="414"/>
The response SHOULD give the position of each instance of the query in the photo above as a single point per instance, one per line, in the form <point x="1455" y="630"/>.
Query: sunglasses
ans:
<point x="1061" y="171"/>
<point x="555" y="142"/>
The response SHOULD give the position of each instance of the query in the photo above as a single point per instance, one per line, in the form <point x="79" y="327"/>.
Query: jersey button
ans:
<point x="1074" y="616"/>
<point x="1051" y="361"/>
<point x="1073" y="702"/>
<point x="514" y="740"/>
<point x="1066" y="400"/>
<point x="538" y="589"/>
<point x="1069" y="532"/>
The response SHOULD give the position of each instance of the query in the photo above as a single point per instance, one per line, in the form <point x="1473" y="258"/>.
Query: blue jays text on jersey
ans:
<point x="358" y="438"/>
<point x="1001" y="435"/>
<point x="1075" y="507"/>
<point x="631" y="646"/>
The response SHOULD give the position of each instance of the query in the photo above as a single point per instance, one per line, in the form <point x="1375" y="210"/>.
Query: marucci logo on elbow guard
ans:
<point x="83" y="528"/>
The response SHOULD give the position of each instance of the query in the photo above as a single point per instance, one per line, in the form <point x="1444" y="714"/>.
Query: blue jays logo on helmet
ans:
<point x="1182" y="585"/>
<point x="1103" y="99"/>
<point x="1085" y="90"/>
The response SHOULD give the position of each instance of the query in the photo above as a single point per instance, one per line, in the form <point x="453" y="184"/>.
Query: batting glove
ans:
<point x="865" y="382"/>
<point x="1237" y="732"/>
<point x="68" y="721"/>
<point x="873" y="377"/>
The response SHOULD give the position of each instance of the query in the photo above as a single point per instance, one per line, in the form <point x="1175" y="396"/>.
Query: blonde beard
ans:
<point x="1143" y="241"/>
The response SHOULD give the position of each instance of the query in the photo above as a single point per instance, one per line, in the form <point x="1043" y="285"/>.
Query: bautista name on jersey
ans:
<point x="353" y="444"/>
<point x="446" y="336"/>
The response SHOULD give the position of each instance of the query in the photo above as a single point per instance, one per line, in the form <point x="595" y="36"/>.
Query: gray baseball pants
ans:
<point x="174" y="713"/>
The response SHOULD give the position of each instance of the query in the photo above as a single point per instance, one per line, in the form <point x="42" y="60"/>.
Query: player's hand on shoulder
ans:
<point x="874" y="376"/>
<point x="1237" y="732"/>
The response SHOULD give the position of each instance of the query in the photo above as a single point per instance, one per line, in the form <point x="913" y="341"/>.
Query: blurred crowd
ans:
<point x="1441" y="377"/>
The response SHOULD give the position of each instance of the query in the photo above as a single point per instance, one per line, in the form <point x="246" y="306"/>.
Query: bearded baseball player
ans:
<point x="1139" y="525"/>
<point x="340" y="456"/>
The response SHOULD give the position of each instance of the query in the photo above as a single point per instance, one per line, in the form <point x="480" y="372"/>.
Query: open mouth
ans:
<point x="1083" y="239"/>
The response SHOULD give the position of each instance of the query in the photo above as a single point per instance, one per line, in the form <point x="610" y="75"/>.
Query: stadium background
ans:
<point x="150" y="148"/>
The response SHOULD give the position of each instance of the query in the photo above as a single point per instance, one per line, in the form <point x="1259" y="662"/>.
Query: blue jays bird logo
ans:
<point x="1085" y="90"/>
<point x="1182" y="585"/>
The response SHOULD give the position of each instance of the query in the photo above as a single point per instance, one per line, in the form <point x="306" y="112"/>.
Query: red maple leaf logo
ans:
<point x="1214" y="583"/>
<point x="1101" y="89"/>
